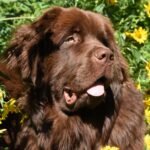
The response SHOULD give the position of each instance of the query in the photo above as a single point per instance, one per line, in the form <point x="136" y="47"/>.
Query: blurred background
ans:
<point x="130" y="19"/>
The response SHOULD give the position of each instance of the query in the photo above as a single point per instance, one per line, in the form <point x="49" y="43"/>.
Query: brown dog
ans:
<point x="73" y="85"/>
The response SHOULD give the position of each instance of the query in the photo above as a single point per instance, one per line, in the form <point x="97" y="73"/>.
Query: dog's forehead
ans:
<point x="72" y="19"/>
<point x="81" y="18"/>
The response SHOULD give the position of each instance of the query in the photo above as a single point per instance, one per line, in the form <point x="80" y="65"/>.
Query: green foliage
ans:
<point x="126" y="16"/>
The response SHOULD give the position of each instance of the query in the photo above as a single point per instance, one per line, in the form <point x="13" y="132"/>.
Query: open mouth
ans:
<point x="95" y="90"/>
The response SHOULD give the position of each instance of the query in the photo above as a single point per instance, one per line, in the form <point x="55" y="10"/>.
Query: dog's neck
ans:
<point x="65" y="128"/>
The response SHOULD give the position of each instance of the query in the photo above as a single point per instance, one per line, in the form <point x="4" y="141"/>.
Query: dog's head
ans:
<point x="71" y="51"/>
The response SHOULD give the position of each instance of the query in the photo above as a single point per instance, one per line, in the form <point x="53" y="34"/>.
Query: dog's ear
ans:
<point x="120" y="74"/>
<point x="12" y="81"/>
<point x="121" y="66"/>
<point x="31" y="43"/>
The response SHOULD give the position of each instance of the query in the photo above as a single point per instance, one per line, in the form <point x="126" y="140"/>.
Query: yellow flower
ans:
<point x="147" y="141"/>
<point x="147" y="9"/>
<point x="140" y="35"/>
<point x="148" y="68"/>
<point x="2" y="94"/>
<point x="112" y="2"/>
<point x="9" y="107"/>
<point x="138" y="86"/>
<point x="24" y="117"/>
<point x="147" y="100"/>
<point x="147" y="115"/>
<point x="2" y="131"/>
<point x="109" y="148"/>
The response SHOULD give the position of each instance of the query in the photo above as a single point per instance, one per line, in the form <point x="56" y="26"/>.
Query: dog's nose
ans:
<point x="104" y="55"/>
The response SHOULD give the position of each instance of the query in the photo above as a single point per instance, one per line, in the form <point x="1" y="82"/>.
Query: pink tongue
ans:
<point x="97" y="90"/>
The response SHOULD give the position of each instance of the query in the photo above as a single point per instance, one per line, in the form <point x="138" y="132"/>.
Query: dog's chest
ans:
<point x="70" y="135"/>
<point x="58" y="132"/>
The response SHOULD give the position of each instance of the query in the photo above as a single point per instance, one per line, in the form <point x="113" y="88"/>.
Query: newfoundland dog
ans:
<point x="70" y="79"/>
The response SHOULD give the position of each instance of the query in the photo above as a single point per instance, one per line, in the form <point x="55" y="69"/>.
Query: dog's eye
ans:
<point x="70" y="39"/>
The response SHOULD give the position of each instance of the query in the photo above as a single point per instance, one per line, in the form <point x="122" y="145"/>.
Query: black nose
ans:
<point x="104" y="55"/>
